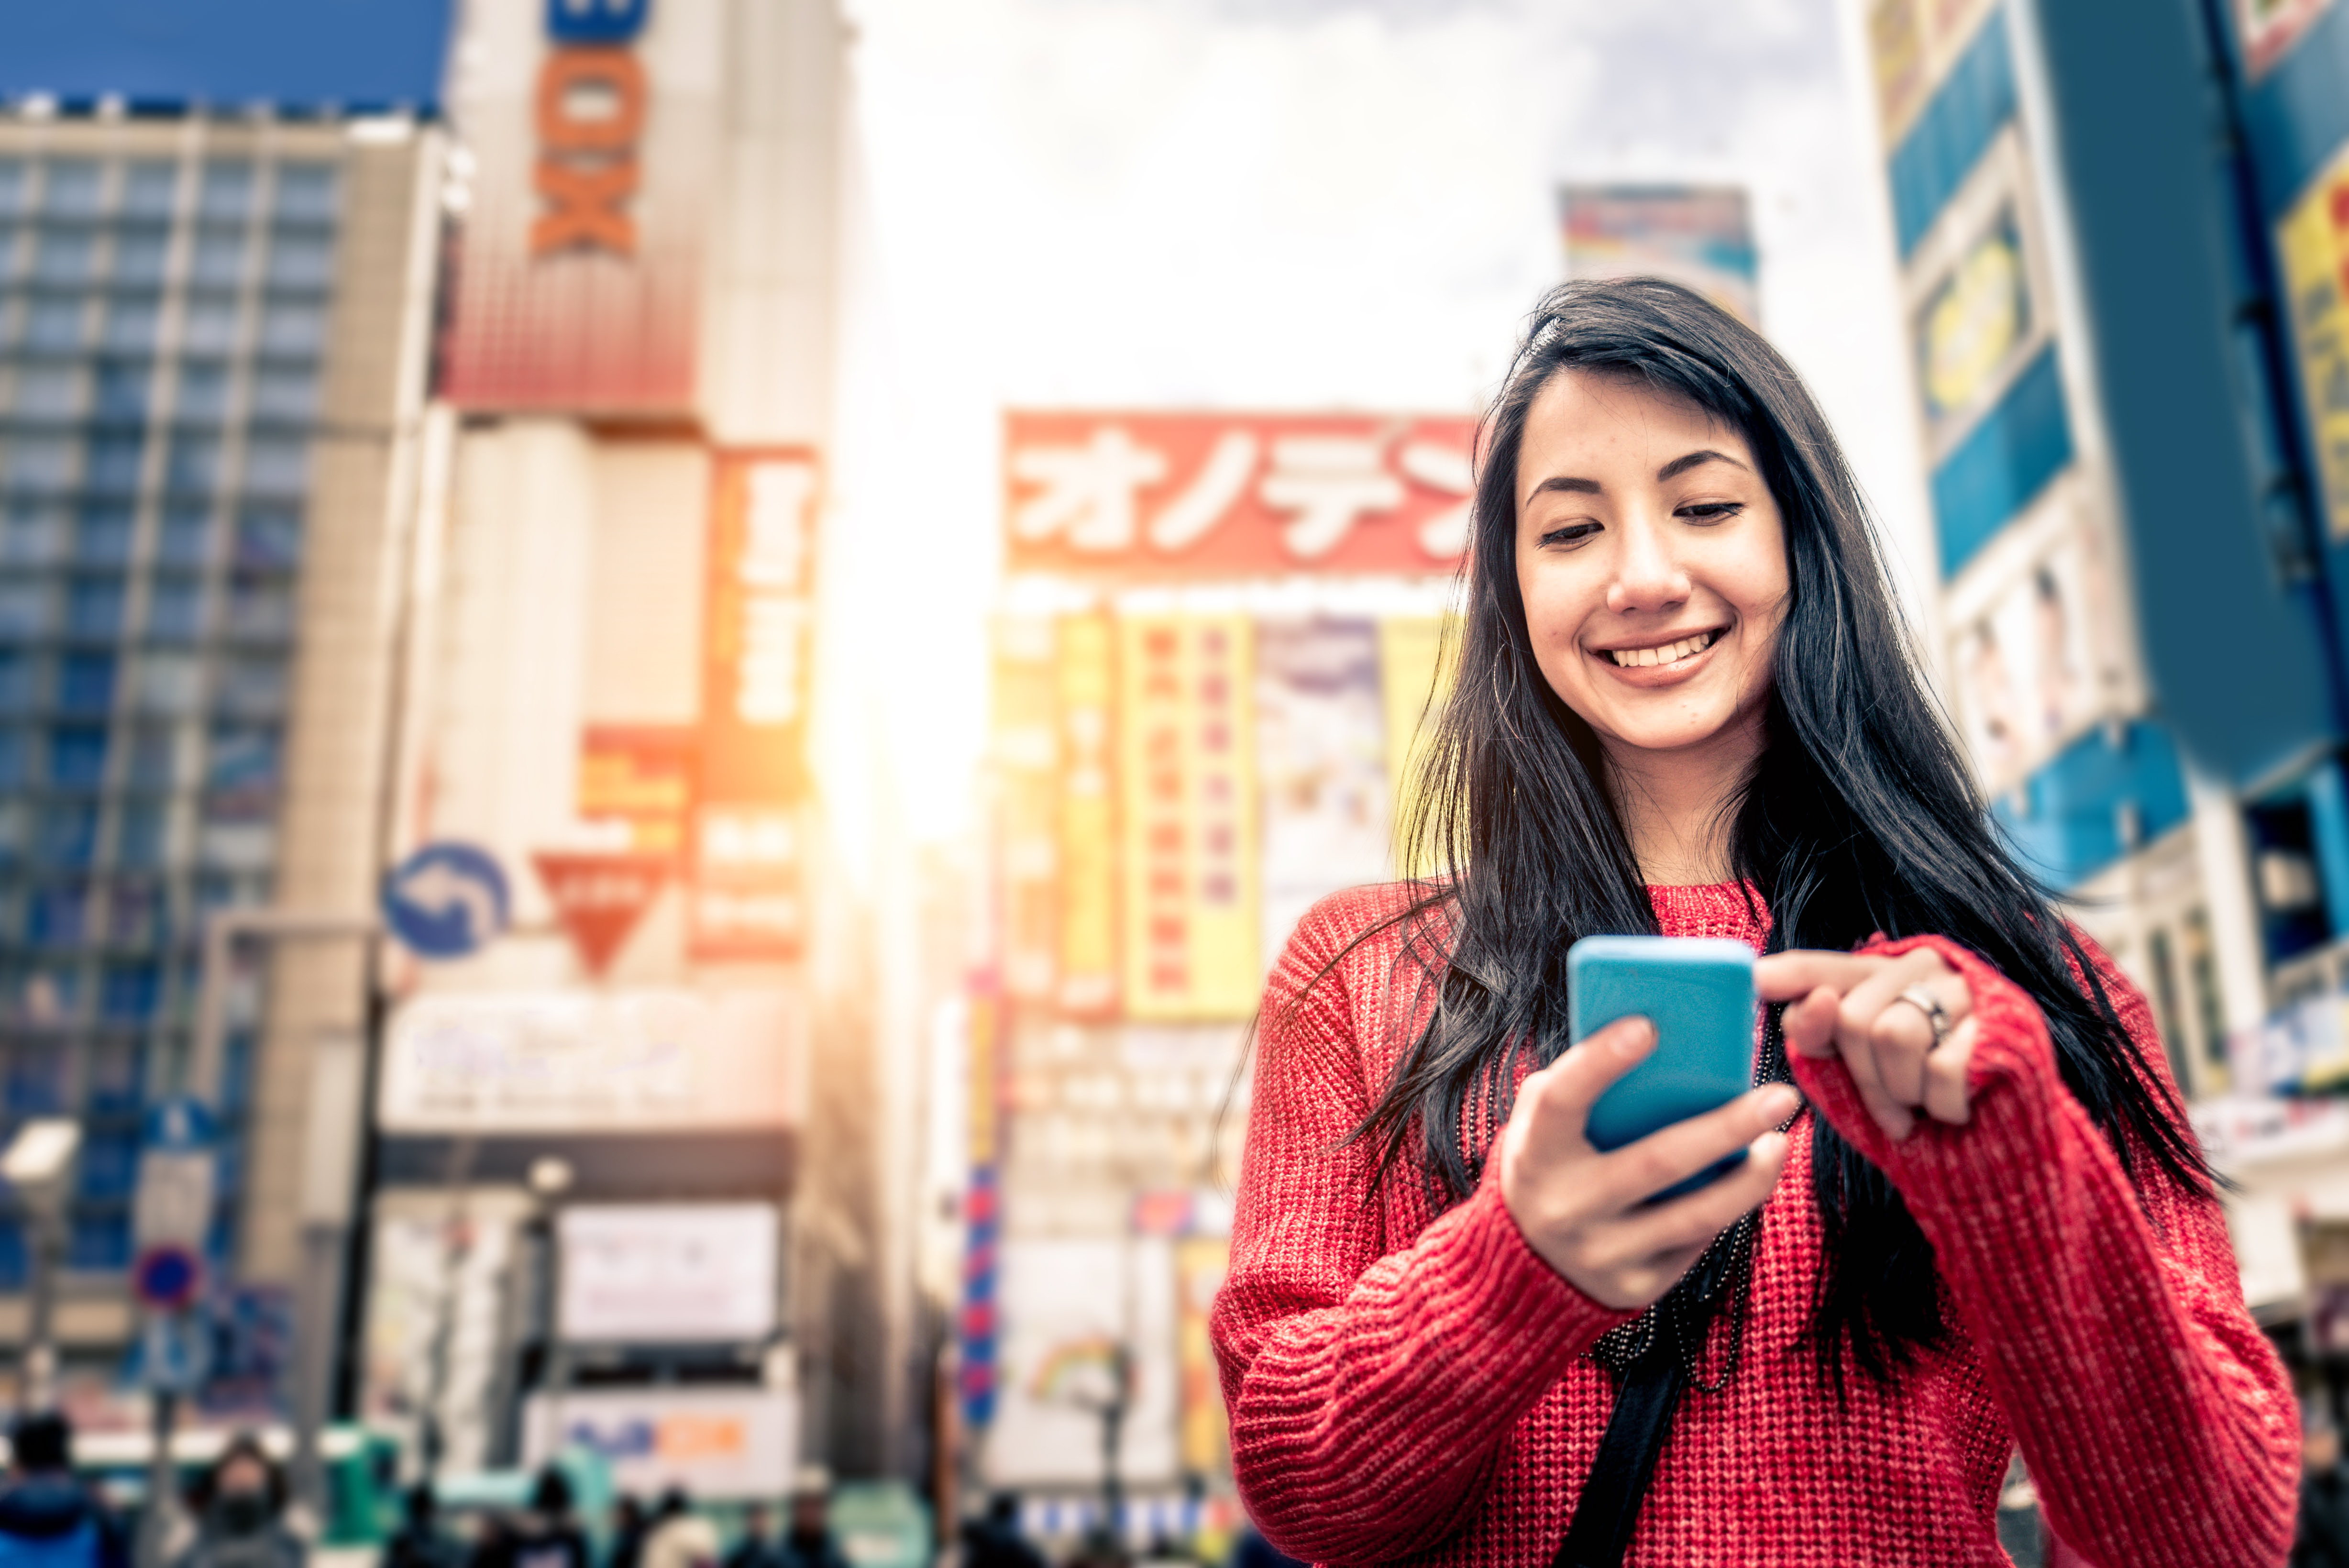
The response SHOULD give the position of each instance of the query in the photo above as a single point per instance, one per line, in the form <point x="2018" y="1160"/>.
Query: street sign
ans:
<point x="167" y="1277"/>
<point x="175" y="1351"/>
<point x="178" y="1171"/>
<point x="599" y="898"/>
<point x="446" y="901"/>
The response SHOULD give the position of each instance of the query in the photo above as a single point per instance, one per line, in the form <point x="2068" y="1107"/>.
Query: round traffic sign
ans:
<point x="446" y="901"/>
<point x="167" y="1276"/>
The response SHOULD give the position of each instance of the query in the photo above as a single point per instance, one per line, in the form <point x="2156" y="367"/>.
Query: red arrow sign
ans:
<point x="599" y="898"/>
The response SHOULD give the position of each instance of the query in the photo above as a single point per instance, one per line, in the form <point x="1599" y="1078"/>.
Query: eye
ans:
<point x="1711" y="511"/>
<point x="1572" y="534"/>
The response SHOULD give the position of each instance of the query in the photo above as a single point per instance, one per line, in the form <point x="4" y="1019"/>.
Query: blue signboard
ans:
<point x="595" y="21"/>
<point x="446" y="901"/>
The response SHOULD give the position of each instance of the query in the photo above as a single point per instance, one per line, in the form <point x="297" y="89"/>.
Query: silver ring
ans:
<point x="1922" y="999"/>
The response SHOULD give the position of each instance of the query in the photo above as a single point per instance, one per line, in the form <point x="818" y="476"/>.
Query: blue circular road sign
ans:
<point x="167" y="1276"/>
<point x="445" y="900"/>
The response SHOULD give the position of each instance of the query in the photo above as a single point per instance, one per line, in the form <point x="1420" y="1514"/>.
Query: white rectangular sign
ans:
<point x="665" y="1273"/>
<point x="1068" y="1308"/>
<point x="588" y="1061"/>
<point x="718" y="1444"/>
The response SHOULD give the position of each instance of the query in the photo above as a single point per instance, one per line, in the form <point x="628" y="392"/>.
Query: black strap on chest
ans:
<point x="1612" y="1493"/>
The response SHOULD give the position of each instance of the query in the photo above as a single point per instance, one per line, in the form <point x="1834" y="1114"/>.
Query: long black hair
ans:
<point x="1860" y="816"/>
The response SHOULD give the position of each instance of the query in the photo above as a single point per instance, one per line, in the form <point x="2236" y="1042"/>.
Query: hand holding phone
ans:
<point x="1595" y="1215"/>
<point x="1698" y="992"/>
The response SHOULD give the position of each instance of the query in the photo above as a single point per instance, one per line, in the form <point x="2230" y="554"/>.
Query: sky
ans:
<point x="1270" y="204"/>
<point x="360" y="53"/>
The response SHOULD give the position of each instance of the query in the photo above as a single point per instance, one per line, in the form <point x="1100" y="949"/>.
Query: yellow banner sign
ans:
<point x="1187" y="785"/>
<point x="2312" y="246"/>
<point x="1088" y="819"/>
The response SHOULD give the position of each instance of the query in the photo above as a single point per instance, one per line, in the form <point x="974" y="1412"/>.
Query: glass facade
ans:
<point x="162" y="324"/>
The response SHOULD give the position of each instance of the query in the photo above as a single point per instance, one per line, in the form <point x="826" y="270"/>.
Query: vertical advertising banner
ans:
<point x="2312" y="248"/>
<point x="1200" y="1264"/>
<point x="593" y="130"/>
<point x="1188" y="787"/>
<point x="1321" y="766"/>
<point x="1410" y="688"/>
<point x="982" y="1221"/>
<point x="1088" y="817"/>
<point x="1698" y="235"/>
<point x="746" y="900"/>
<point x="1027" y="754"/>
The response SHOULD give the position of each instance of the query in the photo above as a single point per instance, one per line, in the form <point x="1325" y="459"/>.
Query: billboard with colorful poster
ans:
<point x="466" y="1062"/>
<point x="1913" y="44"/>
<point x="1087" y="1324"/>
<point x="1153" y="495"/>
<point x="593" y="130"/>
<point x="1322" y="765"/>
<point x="745" y="900"/>
<point x="723" y="1443"/>
<point x="2312" y="249"/>
<point x="2269" y="29"/>
<point x="2036" y="658"/>
<point x="1174" y="790"/>
<point x="1698" y="235"/>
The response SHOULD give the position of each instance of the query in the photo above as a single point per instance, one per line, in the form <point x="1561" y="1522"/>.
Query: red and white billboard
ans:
<point x="593" y="129"/>
<point x="758" y="620"/>
<point x="1219" y="495"/>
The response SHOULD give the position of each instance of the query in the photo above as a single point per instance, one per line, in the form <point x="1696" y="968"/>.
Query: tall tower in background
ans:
<point x="607" y="692"/>
<point x="2120" y="231"/>
<point x="214" y="335"/>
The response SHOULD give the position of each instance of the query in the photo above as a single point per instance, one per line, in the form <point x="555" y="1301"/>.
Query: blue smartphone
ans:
<point x="1699" y="994"/>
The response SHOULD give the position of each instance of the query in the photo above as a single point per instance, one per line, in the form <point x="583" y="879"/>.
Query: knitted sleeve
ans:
<point x="1371" y="1392"/>
<point x="2156" y="1419"/>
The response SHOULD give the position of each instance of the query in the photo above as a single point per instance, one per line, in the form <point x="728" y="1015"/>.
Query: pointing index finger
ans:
<point x="1784" y="977"/>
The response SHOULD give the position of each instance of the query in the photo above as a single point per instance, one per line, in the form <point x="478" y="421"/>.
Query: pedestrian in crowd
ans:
<point x="994" y="1539"/>
<point x="808" y="1542"/>
<point x="628" y="1526"/>
<point x="756" y="1548"/>
<point x="544" y="1536"/>
<point x="47" y="1518"/>
<point x="679" y="1537"/>
<point x="2321" y="1539"/>
<point x="420" y="1542"/>
<point x="240" y="1505"/>
<point x="1687" y="704"/>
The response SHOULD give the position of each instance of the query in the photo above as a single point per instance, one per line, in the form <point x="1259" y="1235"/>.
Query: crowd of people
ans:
<point x="237" y="1517"/>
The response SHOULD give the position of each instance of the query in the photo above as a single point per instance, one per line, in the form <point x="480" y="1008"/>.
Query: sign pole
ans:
<point x="162" y="1480"/>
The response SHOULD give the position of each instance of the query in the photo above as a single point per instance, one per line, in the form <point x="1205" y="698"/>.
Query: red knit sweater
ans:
<point x="1405" y="1385"/>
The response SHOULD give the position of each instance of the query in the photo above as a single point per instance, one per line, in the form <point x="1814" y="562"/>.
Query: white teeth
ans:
<point x="1670" y="653"/>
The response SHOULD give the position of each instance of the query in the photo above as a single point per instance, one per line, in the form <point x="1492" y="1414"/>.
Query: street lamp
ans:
<point x="35" y="1164"/>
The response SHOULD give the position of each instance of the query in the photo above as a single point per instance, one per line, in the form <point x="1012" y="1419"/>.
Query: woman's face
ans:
<point x="1652" y="562"/>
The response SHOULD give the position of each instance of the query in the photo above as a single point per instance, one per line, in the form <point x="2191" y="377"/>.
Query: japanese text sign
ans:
<point x="1160" y="495"/>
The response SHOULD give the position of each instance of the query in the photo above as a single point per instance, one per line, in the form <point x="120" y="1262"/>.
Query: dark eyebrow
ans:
<point x="1680" y="465"/>
<point x="1572" y="486"/>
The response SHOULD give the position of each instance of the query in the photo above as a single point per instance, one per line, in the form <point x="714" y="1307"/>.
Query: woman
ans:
<point x="1686" y="704"/>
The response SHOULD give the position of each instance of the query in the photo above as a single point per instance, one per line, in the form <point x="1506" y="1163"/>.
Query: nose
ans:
<point x="1647" y="577"/>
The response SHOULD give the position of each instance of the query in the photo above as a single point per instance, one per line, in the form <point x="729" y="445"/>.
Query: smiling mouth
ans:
<point x="1664" y="653"/>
